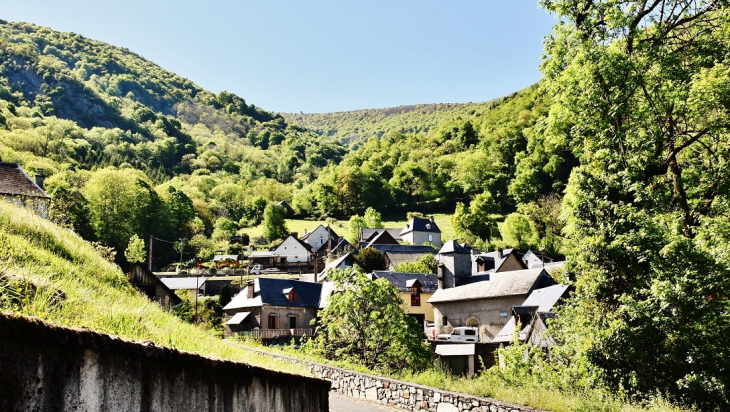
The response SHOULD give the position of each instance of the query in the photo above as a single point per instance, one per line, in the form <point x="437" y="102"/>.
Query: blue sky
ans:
<point x="317" y="55"/>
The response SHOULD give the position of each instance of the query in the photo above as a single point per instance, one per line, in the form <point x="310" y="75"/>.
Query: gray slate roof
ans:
<point x="344" y="247"/>
<point x="14" y="181"/>
<point x="546" y="298"/>
<point x="417" y="224"/>
<point x="514" y="283"/>
<point x="366" y="234"/>
<point x="403" y="248"/>
<point x="332" y="234"/>
<point x="270" y="292"/>
<point x="397" y="257"/>
<point x="453" y="246"/>
<point x="429" y="283"/>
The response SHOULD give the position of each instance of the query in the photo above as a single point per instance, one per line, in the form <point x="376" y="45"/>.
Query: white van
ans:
<point x="462" y="334"/>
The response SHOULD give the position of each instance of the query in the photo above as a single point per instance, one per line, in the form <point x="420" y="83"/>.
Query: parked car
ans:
<point x="255" y="269"/>
<point x="462" y="334"/>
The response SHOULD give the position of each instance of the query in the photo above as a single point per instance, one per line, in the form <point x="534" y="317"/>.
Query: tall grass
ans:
<point x="51" y="273"/>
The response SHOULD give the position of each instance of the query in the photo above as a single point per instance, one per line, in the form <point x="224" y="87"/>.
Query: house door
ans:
<point x="292" y="322"/>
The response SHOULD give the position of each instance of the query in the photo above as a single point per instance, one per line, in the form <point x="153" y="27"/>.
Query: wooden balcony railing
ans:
<point x="275" y="333"/>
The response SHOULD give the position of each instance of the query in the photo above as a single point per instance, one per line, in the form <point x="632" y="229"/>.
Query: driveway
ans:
<point x="342" y="403"/>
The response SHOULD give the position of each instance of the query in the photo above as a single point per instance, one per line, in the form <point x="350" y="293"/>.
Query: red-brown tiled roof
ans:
<point x="14" y="181"/>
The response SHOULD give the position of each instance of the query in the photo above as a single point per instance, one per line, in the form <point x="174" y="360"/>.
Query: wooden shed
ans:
<point x="144" y="280"/>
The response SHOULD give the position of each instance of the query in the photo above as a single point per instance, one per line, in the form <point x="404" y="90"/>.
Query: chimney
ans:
<point x="295" y="234"/>
<point x="39" y="178"/>
<point x="500" y="253"/>
<point x="431" y="219"/>
<point x="250" y="285"/>
<point x="305" y="232"/>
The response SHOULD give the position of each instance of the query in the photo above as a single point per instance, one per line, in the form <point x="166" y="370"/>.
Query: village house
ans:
<point x="486" y="304"/>
<point x="18" y="188"/>
<point x="321" y="239"/>
<point x="269" y="308"/>
<point x="291" y="254"/>
<point x="418" y="231"/>
<point x="415" y="289"/>
<point x="379" y="238"/>
<point x="483" y="301"/>
<point x="367" y="234"/>
<point x="149" y="284"/>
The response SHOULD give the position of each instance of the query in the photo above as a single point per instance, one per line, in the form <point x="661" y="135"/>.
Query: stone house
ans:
<point x="149" y="284"/>
<point x="418" y="231"/>
<point x="18" y="188"/>
<point x="269" y="308"/>
<point x="485" y="301"/>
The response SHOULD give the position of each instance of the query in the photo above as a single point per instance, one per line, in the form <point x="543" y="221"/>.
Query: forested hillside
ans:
<point x="132" y="149"/>
<point x="356" y="126"/>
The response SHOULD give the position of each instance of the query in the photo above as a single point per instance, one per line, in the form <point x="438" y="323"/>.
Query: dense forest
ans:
<point x="356" y="126"/>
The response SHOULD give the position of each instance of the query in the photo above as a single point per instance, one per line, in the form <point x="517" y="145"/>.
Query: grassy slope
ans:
<point x="96" y="293"/>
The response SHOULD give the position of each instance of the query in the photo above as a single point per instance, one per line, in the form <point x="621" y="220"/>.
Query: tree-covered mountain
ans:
<point x="133" y="149"/>
<point x="356" y="126"/>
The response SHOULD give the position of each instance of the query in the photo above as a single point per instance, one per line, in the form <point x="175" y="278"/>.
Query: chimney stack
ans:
<point x="39" y="178"/>
<point x="250" y="285"/>
<point x="431" y="219"/>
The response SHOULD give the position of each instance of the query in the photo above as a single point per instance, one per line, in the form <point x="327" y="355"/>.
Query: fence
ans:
<point x="275" y="333"/>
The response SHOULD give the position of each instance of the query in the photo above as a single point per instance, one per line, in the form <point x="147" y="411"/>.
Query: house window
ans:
<point x="430" y="238"/>
<point x="292" y="322"/>
<point x="444" y="321"/>
<point x="415" y="296"/>
<point x="273" y="321"/>
<point x="292" y="295"/>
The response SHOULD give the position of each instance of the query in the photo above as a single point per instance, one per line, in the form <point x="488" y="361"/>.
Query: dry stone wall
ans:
<point x="400" y="394"/>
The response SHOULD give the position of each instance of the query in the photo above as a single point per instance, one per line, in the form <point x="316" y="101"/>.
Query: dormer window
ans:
<point x="291" y="294"/>
<point x="428" y="226"/>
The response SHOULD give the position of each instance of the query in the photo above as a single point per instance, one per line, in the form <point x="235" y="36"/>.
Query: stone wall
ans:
<point x="400" y="394"/>
<point x="52" y="368"/>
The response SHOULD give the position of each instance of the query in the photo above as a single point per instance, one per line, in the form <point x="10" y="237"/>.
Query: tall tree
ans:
<point x="642" y="86"/>
<point x="365" y="323"/>
<point x="275" y="222"/>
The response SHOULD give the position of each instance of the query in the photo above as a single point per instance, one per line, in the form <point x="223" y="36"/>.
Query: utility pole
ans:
<point x="197" y="287"/>
<point x="149" y="259"/>
<point x="182" y="246"/>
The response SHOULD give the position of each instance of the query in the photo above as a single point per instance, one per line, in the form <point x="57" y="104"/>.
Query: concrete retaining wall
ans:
<point x="400" y="394"/>
<point x="44" y="368"/>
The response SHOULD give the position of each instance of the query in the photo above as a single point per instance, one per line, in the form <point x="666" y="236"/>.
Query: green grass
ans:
<point x="51" y="273"/>
<point x="485" y="385"/>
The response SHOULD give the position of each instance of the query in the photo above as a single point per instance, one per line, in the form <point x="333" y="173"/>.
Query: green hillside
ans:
<point x="51" y="273"/>
<point x="356" y="126"/>
<point x="133" y="150"/>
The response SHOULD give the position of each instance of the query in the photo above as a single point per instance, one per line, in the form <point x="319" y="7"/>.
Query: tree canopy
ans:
<point x="365" y="323"/>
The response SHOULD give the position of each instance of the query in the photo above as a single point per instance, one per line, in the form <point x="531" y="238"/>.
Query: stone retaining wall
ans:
<point x="400" y="394"/>
<point x="45" y="367"/>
